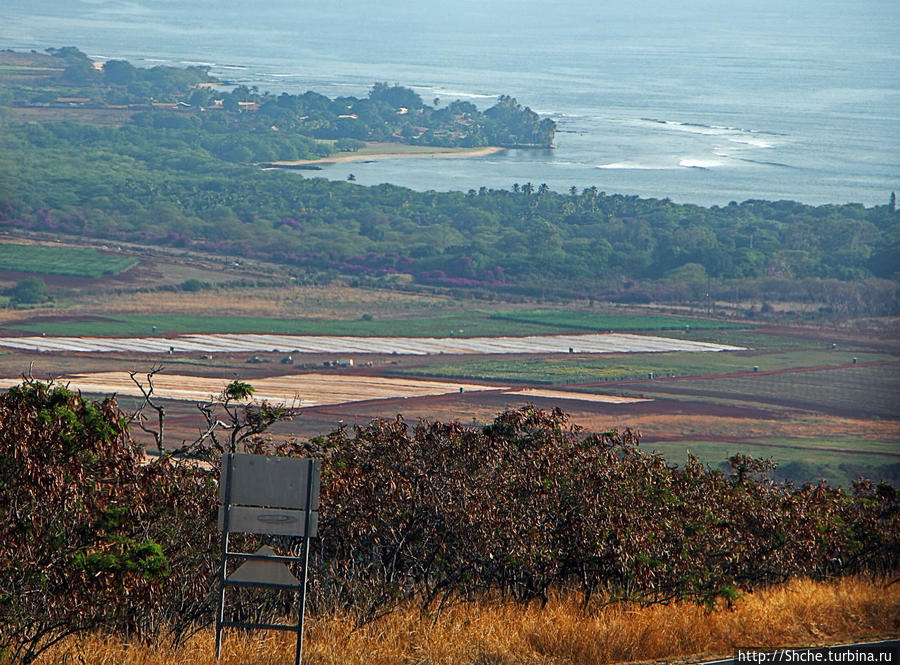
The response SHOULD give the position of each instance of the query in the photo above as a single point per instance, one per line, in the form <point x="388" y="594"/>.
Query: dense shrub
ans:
<point x="91" y="537"/>
<point x="440" y="510"/>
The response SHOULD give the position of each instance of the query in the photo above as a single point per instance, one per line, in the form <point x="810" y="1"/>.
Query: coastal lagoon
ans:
<point x="699" y="101"/>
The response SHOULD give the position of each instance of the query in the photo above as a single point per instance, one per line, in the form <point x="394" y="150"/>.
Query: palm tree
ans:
<point x="589" y="195"/>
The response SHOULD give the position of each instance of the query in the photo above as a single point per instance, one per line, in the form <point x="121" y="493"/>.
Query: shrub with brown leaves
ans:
<point x="90" y="538"/>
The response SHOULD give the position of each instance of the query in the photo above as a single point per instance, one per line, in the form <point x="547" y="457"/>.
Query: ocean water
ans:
<point x="700" y="101"/>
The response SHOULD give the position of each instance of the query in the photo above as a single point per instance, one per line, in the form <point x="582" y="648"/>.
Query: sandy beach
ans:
<point x="436" y="153"/>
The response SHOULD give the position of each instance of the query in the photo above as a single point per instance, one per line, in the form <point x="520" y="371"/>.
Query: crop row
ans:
<point x="75" y="261"/>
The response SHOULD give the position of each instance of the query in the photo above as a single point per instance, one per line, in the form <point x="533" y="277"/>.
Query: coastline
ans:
<point x="357" y="157"/>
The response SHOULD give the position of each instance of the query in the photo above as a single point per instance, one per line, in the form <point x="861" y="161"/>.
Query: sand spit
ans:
<point x="436" y="154"/>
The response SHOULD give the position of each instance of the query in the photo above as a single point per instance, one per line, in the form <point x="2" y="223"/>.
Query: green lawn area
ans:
<point x="75" y="261"/>
<point x="583" y="368"/>
<point x="758" y="340"/>
<point x="474" y="323"/>
<point x="602" y="322"/>
<point x="462" y="325"/>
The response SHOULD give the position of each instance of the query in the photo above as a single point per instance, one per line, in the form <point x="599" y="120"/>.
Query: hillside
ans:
<point x="523" y="509"/>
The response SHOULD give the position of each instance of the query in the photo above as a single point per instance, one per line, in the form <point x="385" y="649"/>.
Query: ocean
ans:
<point x="700" y="101"/>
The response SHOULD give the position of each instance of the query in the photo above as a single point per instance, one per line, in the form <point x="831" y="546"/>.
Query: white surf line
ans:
<point x="243" y="343"/>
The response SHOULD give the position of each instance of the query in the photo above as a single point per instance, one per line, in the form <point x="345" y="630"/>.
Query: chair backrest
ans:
<point x="269" y="495"/>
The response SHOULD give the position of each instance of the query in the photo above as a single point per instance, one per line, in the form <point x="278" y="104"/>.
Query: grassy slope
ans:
<point x="599" y="322"/>
<point x="799" y="613"/>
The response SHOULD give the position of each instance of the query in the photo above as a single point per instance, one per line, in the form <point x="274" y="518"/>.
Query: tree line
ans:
<point x="187" y="180"/>
<point x="167" y="185"/>
<point x="387" y="113"/>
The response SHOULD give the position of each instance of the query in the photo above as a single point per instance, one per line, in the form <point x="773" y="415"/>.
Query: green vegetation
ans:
<point x="612" y="322"/>
<point x="389" y="113"/>
<point x="180" y="179"/>
<point x="591" y="369"/>
<point x="76" y="261"/>
<point x="28" y="292"/>
<point x="69" y="74"/>
<point x="460" y="324"/>
<point x="757" y="340"/>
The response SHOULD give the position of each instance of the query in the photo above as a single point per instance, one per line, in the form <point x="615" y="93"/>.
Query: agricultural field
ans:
<point x="764" y="339"/>
<point x="62" y="260"/>
<point x="605" y="321"/>
<point x="441" y="325"/>
<point x="297" y="344"/>
<point x="581" y="369"/>
<point x="810" y="437"/>
<point x="799" y="460"/>
<point x="473" y="323"/>
<point x="298" y="391"/>
<point x="857" y="390"/>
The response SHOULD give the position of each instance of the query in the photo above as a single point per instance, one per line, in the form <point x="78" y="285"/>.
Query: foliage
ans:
<point x="89" y="538"/>
<point x="119" y="82"/>
<point x="238" y="390"/>
<point x="28" y="291"/>
<point x="349" y="145"/>
<point x="185" y="178"/>
<point x="92" y="538"/>
<point x="389" y="113"/>
<point x="181" y="187"/>
<point x="472" y="323"/>
<point x="439" y="511"/>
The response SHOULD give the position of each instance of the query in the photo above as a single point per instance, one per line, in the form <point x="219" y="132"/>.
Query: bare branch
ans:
<point x="138" y="416"/>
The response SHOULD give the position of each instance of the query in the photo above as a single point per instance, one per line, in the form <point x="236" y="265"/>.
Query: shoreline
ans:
<point x="355" y="157"/>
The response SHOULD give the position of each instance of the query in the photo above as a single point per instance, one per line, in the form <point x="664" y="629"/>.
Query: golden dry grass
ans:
<point x="799" y="613"/>
<point x="338" y="302"/>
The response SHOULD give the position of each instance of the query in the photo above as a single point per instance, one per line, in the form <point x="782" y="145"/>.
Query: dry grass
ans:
<point x="284" y="302"/>
<point x="795" y="614"/>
